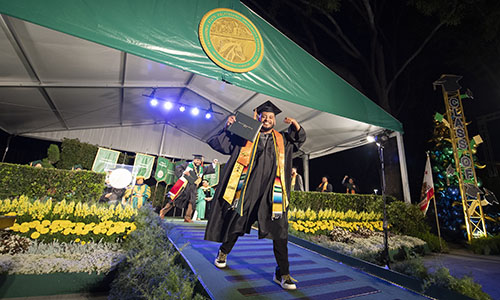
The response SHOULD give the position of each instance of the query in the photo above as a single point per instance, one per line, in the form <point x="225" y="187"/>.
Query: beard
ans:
<point x="267" y="127"/>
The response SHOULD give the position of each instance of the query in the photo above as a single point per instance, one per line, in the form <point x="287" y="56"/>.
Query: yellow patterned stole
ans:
<point x="236" y="187"/>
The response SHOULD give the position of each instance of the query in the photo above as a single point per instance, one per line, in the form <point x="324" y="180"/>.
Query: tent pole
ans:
<point x="305" y="164"/>
<point x="162" y="140"/>
<point x="403" y="167"/>
<point x="6" y="147"/>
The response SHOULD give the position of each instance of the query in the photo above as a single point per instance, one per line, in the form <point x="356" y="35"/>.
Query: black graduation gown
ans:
<point x="257" y="206"/>
<point x="190" y="192"/>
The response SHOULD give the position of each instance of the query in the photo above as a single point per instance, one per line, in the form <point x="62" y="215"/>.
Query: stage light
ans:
<point x="370" y="138"/>
<point x="168" y="105"/>
<point x="182" y="108"/>
<point x="153" y="102"/>
<point x="208" y="115"/>
<point x="195" y="111"/>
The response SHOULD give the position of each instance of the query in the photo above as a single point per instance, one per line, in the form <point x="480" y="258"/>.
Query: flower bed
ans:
<point x="69" y="221"/>
<point x="357" y="234"/>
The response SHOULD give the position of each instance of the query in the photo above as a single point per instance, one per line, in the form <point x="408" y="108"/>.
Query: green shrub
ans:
<point x="74" y="152"/>
<point x="149" y="270"/>
<point x="465" y="285"/>
<point x="432" y="241"/>
<point x="17" y="180"/>
<point x="406" y="219"/>
<point x="486" y="245"/>
<point x="337" y="201"/>
<point x="442" y="278"/>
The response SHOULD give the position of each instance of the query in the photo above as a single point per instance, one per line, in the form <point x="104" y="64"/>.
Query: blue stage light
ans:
<point x="195" y="111"/>
<point x="182" y="108"/>
<point x="168" y="105"/>
<point x="208" y="115"/>
<point x="153" y="102"/>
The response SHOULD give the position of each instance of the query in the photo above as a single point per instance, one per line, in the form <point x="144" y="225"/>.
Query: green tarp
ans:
<point x="166" y="31"/>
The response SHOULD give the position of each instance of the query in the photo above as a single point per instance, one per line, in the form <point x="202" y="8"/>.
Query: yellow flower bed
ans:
<point x="69" y="221"/>
<point x="65" y="230"/>
<point x="27" y="210"/>
<point x="326" y="220"/>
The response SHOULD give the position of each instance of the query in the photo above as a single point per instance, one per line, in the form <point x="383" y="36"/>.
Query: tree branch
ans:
<point x="415" y="54"/>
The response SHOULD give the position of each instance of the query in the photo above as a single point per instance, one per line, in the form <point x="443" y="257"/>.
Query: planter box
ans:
<point x="28" y="285"/>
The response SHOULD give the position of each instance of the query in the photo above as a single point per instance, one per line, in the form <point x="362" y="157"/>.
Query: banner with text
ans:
<point x="144" y="164"/>
<point x="105" y="159"/>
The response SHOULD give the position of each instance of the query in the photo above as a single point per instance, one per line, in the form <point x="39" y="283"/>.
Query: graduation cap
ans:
<point x="268" y="106"/>
<point x="197" y="156"/>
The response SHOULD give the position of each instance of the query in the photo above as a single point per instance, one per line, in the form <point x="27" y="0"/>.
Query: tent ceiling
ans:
<point x="53" y="85"/>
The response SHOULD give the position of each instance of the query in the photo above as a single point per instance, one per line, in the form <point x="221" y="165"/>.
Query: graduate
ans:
<point x="185" y="191"/>
<point x="255" y="186"/>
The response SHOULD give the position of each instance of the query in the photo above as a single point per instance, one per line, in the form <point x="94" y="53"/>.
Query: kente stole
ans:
<point x="236" y="187"/>
<point x="181" y="183"/>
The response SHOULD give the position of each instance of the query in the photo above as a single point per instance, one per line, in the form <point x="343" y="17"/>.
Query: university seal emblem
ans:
<point x="231" y="40"/>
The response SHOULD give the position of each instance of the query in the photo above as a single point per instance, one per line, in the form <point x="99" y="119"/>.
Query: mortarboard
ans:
<point x="268" y="106"/>
<point x="197" y="156"/>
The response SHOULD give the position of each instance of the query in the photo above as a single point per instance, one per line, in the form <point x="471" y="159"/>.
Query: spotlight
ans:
<point x="182" y="108"/>
<point x="208" y="115"/>
<point x="168" y="105"/>
<point x="370" y="138"/>
<point x="153" y="102"/>
<point x="195" y="111"/>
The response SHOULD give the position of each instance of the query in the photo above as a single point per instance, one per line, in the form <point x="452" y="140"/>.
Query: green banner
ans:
<point x="162" y="166"/>
<point x="144" y="163"/>
<point x="171" y="179"/>
<point x="213" y="179"/>
<point x="105" y="158"/>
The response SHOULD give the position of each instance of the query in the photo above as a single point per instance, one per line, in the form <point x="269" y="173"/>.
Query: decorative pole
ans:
<point x="464" y="161"/>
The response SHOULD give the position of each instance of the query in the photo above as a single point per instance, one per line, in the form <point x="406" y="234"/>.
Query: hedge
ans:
<point x="338" y="202"/>
<point x="16" y="180"/>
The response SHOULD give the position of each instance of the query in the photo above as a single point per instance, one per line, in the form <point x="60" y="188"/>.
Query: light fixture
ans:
<point x="208" y="115"/>
<point x="182" y="108"/>
<point x="195" y="111"/>
<point x="153" y="102"/>
<point x="370" y="138"/>
<point x="168" y="105"/>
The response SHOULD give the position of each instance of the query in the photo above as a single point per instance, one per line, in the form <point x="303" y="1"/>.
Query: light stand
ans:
<point x="384" y="199"/>
<point x="380" y="140"/>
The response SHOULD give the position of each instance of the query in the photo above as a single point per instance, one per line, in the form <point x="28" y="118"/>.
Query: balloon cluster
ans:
<point x="447" y="191"/>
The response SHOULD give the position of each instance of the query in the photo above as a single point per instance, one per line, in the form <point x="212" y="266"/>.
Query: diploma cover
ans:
<point x="245" y="127"/>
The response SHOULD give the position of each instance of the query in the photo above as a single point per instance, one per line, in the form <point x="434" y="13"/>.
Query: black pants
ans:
<point x="280" y="249"/>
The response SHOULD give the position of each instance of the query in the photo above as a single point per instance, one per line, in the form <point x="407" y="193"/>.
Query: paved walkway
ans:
<point x="251" y="267"/>
<point x="485" y="269"/>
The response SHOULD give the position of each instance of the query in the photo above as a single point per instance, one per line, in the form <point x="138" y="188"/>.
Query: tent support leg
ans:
<point x="402" y="165"/>
<point x="305" y="164"/>
<point x="6" y="148"/>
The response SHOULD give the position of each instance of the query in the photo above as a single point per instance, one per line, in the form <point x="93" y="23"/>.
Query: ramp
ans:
<point x="251" y="264"/>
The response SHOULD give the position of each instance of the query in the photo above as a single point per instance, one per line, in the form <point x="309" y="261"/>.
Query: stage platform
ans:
<point x="251" y="264"/>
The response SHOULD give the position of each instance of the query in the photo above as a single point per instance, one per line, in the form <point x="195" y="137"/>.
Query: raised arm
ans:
<point x="295" y="134"/>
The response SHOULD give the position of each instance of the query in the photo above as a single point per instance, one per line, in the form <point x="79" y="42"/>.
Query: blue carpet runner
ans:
<point x="251" y="264"/>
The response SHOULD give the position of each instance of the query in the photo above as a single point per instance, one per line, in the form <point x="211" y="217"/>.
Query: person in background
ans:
<point x="187" y="190"/>
<point x="36" y="164"/>
<point x="139" y="194"/>
<point x="351" y="187"/>
<point x="297" y="182"/>
<point x="205" y="195"/>
<point x="77" y="168"/>
<point x="324" y="187"/>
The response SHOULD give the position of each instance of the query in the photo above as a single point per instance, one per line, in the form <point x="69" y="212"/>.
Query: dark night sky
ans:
<point x="442" y="55"/>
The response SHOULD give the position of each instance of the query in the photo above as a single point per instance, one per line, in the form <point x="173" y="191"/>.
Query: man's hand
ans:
<point x="186" y="172"/>
<point x="293" y="122"/>
<point x="216" y="161"/>
<point x="230" y="120"/>
<point x="345" y="177"/>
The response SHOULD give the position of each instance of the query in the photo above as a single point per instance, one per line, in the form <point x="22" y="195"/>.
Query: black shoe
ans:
<point x="285" y="281"/>
<point x="220" y="260"/>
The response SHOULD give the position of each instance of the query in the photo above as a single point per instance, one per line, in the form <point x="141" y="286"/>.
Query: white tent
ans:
<point x="55" y="85"/>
